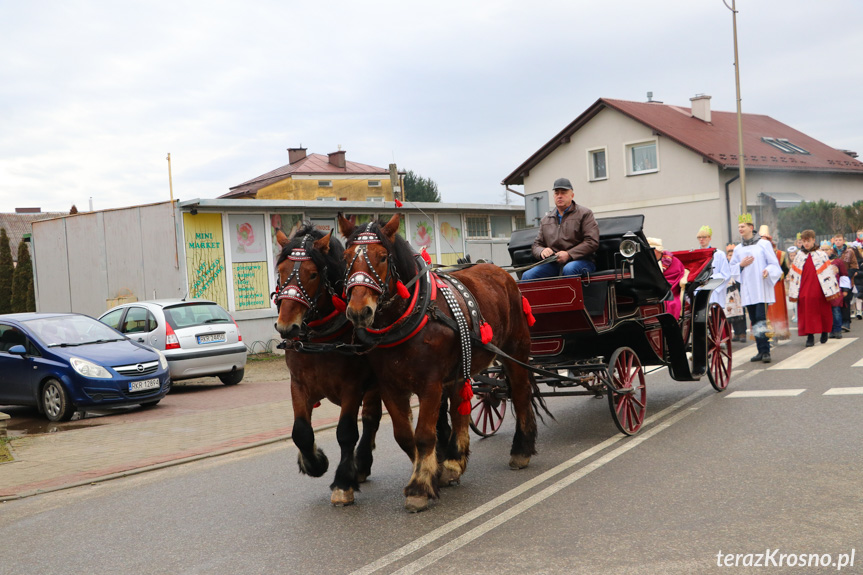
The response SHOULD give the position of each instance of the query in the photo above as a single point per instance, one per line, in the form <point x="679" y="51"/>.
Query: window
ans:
<point x="520" y="222"/>
<point x="113" y="319"/>
<point x="374" y="198"/>
<point x="784" y="145"/>
<point x="325" y="183"/>
<point x="501" y="226"/>
<point x="477" y="227"/>
<point x="374" y="183"/>
<point x="327" y="199"/>
<point x="597" y="166"/>
<point x="138" y="320"/>
<point x="642" y="158"/>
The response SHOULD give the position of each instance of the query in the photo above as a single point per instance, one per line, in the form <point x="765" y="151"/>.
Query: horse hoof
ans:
<point x="342" y="497"/>
<point x="519" y="461"/>
<point x="450" y="474"/>
<point x="416" y="503"/>
<point x="362" y="477"/>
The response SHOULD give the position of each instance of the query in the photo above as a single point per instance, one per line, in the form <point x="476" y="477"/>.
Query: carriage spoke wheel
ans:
<point x="486" y="413"/>
<point x="627" y="393"/>
<point x="718" y="348"/>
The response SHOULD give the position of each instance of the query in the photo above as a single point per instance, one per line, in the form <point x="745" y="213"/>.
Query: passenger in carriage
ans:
<point x="720" y="265"/>
<point x="569" y="232"/>
<point x="674" y="272"/>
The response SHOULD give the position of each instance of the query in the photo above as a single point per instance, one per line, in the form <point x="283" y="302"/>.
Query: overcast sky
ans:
<point x="94" y="93"/>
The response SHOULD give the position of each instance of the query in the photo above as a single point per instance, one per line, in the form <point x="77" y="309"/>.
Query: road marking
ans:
<point x="844" y="391"/>
<point x="441" y="531"/>
<point x="809" y="356"/>
<point x="537" y="498"/>
<point x="858" y="364"/>
<point x="765" y="393"/>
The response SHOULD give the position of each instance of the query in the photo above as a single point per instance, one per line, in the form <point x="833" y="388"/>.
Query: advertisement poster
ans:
<point x="249" y="259"/>
<point x="422" y="234"/>
<point x="288" y="223"/>
<point x="205" y="257"/>
<point x="451" y="239"/>
<point x="251" y="288"/>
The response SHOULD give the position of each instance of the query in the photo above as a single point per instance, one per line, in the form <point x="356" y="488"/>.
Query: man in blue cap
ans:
<point x="568" y="232"/>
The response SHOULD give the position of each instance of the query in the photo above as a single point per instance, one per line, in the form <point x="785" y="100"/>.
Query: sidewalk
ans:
<point x="209" y="422"/>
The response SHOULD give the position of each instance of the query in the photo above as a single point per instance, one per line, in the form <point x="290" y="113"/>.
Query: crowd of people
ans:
<point x="819" y="284"/>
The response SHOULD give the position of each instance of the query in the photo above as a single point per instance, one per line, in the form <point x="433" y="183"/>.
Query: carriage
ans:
<point x="596" y="334"/>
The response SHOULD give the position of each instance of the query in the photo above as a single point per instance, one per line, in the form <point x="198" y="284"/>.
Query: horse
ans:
<point x="416" y="346"/>
<point x="310" y="271"/>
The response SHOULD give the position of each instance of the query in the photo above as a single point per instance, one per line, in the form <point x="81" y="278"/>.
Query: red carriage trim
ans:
<point x="546" y="346"/>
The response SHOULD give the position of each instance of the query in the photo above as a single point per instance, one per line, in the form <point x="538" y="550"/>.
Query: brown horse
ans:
<point x="416" y="350"/>
<point x="311" y="269"/>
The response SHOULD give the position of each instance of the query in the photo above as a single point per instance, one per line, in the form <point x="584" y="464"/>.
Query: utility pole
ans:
<point x="173" y="214"/>
<point x="743" y="203"/>
<point x="396" y="184"/>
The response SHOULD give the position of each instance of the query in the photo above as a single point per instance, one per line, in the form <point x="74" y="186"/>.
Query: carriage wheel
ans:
<point x="627" y="393"/>
<point x="718" y="348"/>
<point x="486" y="413"/>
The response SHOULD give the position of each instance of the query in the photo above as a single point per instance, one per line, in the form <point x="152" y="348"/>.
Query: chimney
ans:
<point x="337" y="158"/>
<point x="296" y="154"/>
<point x="701" y="107"/>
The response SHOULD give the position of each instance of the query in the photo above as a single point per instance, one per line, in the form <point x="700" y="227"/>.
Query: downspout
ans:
<point x="728" y="204"/>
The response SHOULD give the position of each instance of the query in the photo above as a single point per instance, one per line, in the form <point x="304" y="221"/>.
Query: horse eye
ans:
<point x="313" y="275"/>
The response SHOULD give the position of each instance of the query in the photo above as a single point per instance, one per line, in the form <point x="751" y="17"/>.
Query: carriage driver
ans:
<point x="570" y="232"/>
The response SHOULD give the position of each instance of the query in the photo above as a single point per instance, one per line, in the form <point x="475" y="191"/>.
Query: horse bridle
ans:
<point x="363" y="279"/>
<point x="293" y="288"/>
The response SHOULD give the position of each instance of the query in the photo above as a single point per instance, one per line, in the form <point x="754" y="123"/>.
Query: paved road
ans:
<point x="734" y="473"/>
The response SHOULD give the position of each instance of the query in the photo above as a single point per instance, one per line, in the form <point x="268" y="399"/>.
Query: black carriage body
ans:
<point x="581" y="321"/>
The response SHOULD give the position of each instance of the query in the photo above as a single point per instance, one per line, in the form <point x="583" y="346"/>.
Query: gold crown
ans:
<point x="799" y="236"/>
<point x="745" y="219"/>
<point x="706" y="230"/>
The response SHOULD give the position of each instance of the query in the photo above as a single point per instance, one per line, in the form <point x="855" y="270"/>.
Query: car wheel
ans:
<point x="150" y="403"/>
<point x="233" y="378"/>
<point x="56" y="404"/>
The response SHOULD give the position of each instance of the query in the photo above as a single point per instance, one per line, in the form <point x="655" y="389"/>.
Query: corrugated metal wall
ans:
<point x="83" y="260"/>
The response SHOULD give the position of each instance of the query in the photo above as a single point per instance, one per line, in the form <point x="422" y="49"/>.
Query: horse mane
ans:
<point x="402" y="252"/>
<point x="333" y="261"/>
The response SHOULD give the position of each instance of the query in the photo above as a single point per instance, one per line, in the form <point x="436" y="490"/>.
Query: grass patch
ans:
<point x="5" y="454"/>
<point x="265" y="357"/>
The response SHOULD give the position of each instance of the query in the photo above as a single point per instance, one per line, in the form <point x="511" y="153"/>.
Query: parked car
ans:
<point x="198" y="337"/>
<point x="62" y="362"/>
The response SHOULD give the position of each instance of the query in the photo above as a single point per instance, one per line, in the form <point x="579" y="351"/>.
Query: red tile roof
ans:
<point x="311" y="165"/>
<point x="715" y="141"/>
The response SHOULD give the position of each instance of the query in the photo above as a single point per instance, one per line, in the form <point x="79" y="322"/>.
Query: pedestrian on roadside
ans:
<point x="792" y="306"/>
<point x="733" y="307"/>
<point x="838" y="243"/>
<point x="849" y="258"/>
<point x="813" y="286"/>
<point x="755" y="266"/>
<point x="777" y="312"/>
<point x="844" y="282"/>
<point x="856" y="247"/>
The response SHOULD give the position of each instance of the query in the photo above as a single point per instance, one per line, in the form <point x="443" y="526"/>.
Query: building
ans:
<point x="18" y="225"/>
<point x="679" y="167"/>
<point x="318" y="177"/>
<point x="224" y="250"/>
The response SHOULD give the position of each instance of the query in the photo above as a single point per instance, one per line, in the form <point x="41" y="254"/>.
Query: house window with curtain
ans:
<point x="477" y="226"/>
<point x="597" y="167"/>
<point x="642" y="158"/>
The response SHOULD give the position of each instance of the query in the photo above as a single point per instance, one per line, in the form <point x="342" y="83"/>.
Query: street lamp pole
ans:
<point x="743" y="203"/>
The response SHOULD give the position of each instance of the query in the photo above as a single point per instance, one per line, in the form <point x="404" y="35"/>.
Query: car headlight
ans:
<point x="163" y="361"/>
<point x="89" y="369"/>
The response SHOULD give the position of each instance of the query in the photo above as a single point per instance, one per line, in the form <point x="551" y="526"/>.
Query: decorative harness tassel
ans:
<point x="464" y="334"/>
<point x="525" y="306"/>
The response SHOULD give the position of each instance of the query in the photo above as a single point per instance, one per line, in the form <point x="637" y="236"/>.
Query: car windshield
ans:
<point x="193" y="314"/>
<point x="69" y="330"/>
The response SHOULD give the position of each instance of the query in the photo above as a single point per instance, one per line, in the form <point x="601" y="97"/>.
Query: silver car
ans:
<point x="198" y="337"/>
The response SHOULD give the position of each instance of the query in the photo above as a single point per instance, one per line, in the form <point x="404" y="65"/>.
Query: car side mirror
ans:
<point x="18" y="350"/>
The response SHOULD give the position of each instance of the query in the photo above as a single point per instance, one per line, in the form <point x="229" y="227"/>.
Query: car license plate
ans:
<point x="143" y="385"/>
<point x="212" y="338"/>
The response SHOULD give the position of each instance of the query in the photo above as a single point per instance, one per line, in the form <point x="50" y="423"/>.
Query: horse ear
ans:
<point x="392" y="226"/>
<point x="323" y="244"/>
<point x="282" y="238"/>
<point x="345" y="226"/>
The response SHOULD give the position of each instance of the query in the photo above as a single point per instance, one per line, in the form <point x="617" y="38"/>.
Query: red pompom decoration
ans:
<point x="317" y="404"/>
<point x="525" y="306"/>
<point x="425" y="256"/>
<point x="339" y="304"/>
<point x="485" y="333"/>
<point x="403" y="291"/>
<point x="464" y="408"/>
<point x="467" y="391"/>
<point x="398" y="203"/>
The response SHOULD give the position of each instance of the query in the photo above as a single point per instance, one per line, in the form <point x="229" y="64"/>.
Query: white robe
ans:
<point x="721" y="270"/>
<point x="754" y="288"/>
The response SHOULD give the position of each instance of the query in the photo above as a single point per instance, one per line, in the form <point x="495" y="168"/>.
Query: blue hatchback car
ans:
<point x="63" y="362"/>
